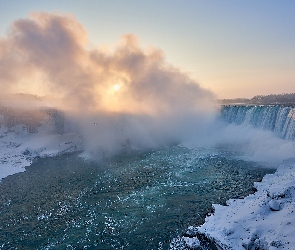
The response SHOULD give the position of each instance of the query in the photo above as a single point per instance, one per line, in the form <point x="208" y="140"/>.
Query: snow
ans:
<point x="192" y="242"/>
<point x="263" y="220"/>
<point x="18" y="146"/>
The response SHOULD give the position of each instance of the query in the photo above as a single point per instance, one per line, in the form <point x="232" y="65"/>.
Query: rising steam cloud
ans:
<point x="126" y="95"/>
<point x="121" y="97"/>
<point x="48" y="53"/>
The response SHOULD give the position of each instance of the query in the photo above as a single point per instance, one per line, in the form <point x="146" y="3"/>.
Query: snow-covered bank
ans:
<point x="264" y="220"/>
<point x="23" y="140"/>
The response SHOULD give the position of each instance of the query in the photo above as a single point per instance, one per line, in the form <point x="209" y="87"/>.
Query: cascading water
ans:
<point x="277" y="118"/>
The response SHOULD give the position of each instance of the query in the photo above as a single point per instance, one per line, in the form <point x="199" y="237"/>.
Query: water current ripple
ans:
<point x="134" y="201"/>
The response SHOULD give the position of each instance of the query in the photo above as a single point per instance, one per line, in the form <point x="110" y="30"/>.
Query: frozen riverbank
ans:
<point x="17" y="151"/>
<point x="26" y="134"/>
<point x="264" y="220"/>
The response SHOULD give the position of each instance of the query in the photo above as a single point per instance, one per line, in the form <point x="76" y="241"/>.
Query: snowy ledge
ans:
<point x="18" y="147"/>
<point x="263" y="220"/>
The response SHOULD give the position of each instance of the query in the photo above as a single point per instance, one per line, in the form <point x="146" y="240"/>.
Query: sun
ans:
<point x="116" y="87"/>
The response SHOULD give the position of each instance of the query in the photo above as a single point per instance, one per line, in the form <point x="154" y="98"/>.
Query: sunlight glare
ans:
<point x="116" y="87"/>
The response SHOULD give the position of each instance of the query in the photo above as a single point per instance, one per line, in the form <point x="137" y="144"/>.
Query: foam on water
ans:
<point x="133" y="201"/>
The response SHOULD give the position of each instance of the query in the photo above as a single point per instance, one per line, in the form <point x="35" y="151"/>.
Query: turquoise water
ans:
<point x="132" y="201"/>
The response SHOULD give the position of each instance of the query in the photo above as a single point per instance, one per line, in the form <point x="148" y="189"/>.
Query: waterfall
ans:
<point x="277" y="118"/>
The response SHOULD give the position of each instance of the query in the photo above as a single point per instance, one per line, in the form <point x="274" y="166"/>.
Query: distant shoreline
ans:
<point x="291" y="105"/>
<point x="275" y="99"/>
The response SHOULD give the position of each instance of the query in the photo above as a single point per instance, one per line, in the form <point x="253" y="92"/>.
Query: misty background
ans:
<point x="121" y="97"/>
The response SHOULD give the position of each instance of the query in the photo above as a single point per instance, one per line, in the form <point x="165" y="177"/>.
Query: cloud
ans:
<point x="152" y="103"/>
<point x="250" y="143"/>
<point x="56" y="47"/>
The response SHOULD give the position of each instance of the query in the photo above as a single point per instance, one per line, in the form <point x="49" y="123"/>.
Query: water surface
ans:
<point x="134" y="201"/>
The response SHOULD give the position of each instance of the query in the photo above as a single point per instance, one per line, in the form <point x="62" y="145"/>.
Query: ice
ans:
<point x="264" y="220"/>
<point x="192" y="243"/>
<point x="274" y="205"/>
<point x="19" y="146"/>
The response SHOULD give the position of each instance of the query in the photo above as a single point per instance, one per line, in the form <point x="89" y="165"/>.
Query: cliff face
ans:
<point x="27" y="133"/>
<point x="32" y="119"/>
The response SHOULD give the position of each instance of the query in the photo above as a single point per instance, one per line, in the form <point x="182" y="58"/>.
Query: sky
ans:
<point x="233" y="48"/>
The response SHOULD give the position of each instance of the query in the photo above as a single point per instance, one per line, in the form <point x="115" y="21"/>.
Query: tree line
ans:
<point x="285" y="98"/>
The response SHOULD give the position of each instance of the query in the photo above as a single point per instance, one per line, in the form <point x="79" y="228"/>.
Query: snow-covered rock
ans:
<point x="274" y="205"/>
<point x="264" y="220"/>
<point x="37" y="133"/>
<point x="192" y="243"/>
